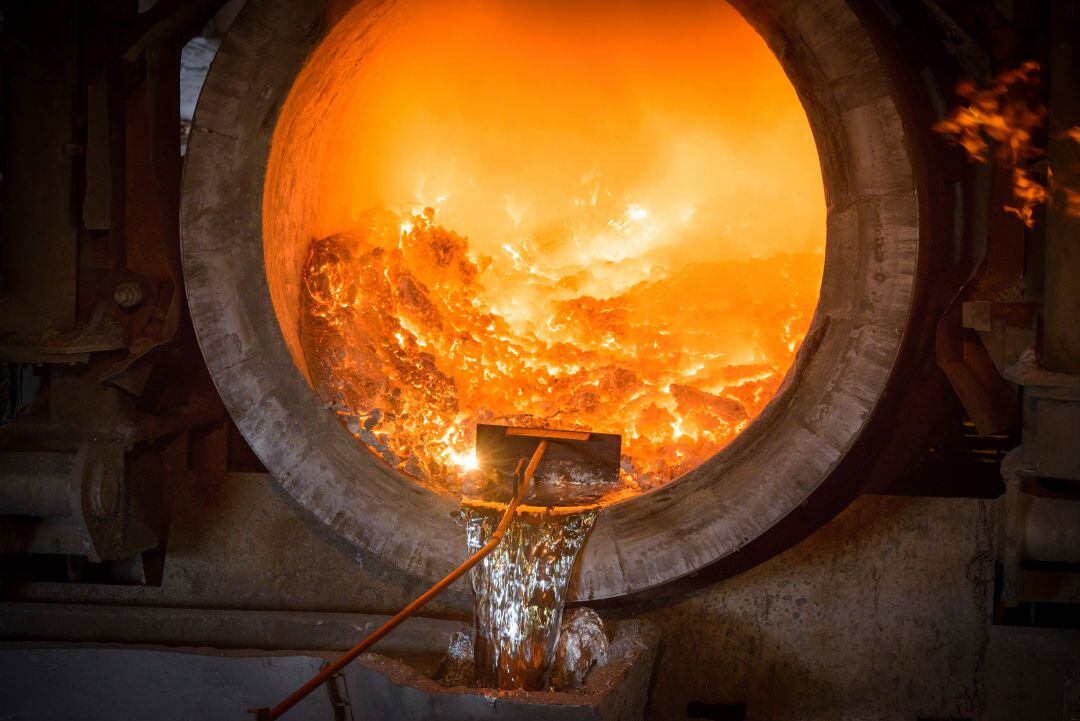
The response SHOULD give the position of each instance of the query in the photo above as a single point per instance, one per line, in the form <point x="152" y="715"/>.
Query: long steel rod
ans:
<point x="493" y="542"/>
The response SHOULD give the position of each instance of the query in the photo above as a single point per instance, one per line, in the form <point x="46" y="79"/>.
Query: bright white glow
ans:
<point x="676" y="429"/>
<point x="466" y="461"/>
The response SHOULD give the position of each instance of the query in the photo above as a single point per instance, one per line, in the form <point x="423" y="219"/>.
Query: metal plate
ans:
<point x="576" y="468"/>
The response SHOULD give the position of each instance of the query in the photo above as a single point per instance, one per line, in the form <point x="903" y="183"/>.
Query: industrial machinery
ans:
<point x="174" y="471"/>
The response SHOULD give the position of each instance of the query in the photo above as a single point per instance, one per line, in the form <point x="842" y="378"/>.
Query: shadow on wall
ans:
<point x="884" y="613"/>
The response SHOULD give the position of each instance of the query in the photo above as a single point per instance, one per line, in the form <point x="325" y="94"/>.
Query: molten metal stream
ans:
<point x="493" y="542"/>
<point x="520" y="592"/>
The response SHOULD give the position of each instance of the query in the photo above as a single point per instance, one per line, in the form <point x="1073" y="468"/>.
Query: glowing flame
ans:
<point x="465" y="461"/>
<point x="998" y="123"/>
<point x="674" y="366"/>
<point x="574" y="215"/>
<point x="1070" y="196"/>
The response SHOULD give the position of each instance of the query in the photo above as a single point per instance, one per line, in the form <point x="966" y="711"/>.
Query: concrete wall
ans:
<point x="886" y="613"/>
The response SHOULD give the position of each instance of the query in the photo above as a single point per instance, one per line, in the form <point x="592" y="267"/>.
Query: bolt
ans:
<point x="128" y="294"/>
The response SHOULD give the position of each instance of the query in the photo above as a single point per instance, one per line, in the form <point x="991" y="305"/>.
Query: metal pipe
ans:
<point x="1050" y="529"/>
<point x="323" y="676"/>
<point x="36" y="484"/>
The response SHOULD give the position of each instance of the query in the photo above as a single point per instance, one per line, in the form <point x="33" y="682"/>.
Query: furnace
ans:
<point x="380" y="285"/>
<point x="607" y="215"/>
<point x="797" y="277"/>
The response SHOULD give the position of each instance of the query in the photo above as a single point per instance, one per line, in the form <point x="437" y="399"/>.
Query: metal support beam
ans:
<point x="40" y="78"/>
<point x="1061" y="330"/>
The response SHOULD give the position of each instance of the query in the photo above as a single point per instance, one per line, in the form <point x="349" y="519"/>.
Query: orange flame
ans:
<point x="997" y="124"/>
<point x="1070" y="196"/>
<point x="405" y="343"/>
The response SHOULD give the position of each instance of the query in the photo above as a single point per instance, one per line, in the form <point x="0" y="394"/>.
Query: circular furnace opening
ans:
<point x="270" y="170"/>
<point x="601" y="216"/>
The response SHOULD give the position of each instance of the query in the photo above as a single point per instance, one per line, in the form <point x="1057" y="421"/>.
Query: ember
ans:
<point x="404" y="342"/>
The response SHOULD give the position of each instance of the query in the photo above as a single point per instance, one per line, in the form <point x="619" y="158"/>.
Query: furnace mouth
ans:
<point x="641" y="254"/>
<point x="278" y="157"/>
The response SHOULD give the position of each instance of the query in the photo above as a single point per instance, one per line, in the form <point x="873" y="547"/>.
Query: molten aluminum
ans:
<point x="520" y="591"/>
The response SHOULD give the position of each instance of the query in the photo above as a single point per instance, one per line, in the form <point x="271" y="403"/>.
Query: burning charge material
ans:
<point x="406" y="344"/>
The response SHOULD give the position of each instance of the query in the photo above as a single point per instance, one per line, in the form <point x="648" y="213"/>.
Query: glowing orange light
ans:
<point x="590" y="215"/>
<point x="998" y="123"/>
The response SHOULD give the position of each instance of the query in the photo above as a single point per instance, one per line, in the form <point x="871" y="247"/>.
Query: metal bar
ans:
<point x="36" y="484"/>
<point x="218" y="628"/>
<point x="41" y="64"/>
<point x="548" y="433"/>
<point x="1050" y="529"/>
<point x="496" y="537"/>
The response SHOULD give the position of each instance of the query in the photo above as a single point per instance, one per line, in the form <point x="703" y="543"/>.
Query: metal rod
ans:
<point x="493" y="542"/>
